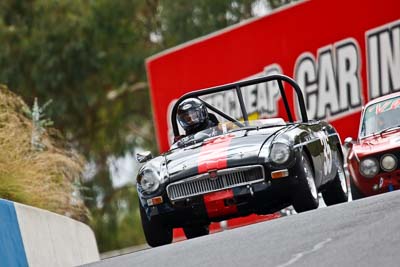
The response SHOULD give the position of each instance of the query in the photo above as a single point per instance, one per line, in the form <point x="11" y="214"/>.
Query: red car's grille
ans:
<point x="215" y="181"/>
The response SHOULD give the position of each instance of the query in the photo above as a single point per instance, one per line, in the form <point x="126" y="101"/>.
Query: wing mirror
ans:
<point x="348" y="142"/>
<point x="143" y="156"/>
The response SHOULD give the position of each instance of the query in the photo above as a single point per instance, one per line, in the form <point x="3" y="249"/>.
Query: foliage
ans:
<point x="124" y="225"/>
<point x="44" y="179"/>
<point x="88" y="57"/>
<point x="181" y="20"/>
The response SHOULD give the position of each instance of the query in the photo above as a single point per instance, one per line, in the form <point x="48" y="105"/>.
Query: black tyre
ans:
<point x="355" y="192"/>
<point x="306" y="193"/>
<point x="196" y="231"/>
<point x="156" y="233"/>
<point x="337" y="190"/>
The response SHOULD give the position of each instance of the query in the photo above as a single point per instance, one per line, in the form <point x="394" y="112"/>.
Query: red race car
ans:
<point x="373" y="159"/>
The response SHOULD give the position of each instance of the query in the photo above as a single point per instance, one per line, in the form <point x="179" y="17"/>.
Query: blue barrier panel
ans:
<point x="12" y="252"/>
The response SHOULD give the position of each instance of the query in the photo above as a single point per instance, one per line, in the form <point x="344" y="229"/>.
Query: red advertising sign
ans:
<point x="342" y="53"/>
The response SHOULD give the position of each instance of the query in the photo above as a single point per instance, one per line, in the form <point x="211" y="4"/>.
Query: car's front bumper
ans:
<point x="381" y="183"/>
<point x="260" y="198"/>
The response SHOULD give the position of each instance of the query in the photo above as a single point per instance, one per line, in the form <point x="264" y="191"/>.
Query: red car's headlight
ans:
<point x="388" y="162"/>
<point x="369" y="167"/>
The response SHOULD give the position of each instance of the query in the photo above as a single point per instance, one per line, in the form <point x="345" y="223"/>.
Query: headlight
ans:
<point x="369" y="167"/>
<point x="149" y="180"/>
<point x="388" y="162"/>
<point x="280" y="153"/>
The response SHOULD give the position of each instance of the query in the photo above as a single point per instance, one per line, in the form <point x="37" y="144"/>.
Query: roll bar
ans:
<point x="280" y="78"/>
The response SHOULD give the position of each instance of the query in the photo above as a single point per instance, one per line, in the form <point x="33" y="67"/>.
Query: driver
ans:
<point x="380" y="123"/>
<point x="194" y="117"/>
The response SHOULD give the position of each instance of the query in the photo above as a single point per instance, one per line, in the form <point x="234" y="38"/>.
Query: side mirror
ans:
<point x="143" y="156"/>
<point x="348" y="142"/>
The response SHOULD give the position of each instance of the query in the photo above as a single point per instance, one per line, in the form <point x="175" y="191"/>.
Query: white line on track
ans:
<point x="298" y="256"/>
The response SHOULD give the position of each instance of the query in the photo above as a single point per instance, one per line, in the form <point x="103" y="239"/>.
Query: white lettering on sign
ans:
<point x="262" y="98"/>
<point x="383" y="45"/>
<point x="330" y="80"/>
<point x="331" y="84"/>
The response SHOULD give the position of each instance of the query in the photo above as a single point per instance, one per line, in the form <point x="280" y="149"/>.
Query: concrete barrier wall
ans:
<point x="35" y="237"/>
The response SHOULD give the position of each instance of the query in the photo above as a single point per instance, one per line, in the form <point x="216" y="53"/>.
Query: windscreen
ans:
<point x="381" y="116"/>
<point x="229" y="128"/>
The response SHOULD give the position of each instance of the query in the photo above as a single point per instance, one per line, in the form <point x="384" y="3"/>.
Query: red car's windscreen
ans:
<point x="381" y="116"/>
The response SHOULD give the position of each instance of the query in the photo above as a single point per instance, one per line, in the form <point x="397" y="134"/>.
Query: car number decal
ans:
<point x="327" y="151"/>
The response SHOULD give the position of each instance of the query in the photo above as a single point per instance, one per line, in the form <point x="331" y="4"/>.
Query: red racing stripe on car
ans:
<point x="213" y="154"/>
<point x="220" y="203"/>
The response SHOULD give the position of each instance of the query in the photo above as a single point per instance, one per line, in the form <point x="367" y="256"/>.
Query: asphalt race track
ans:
<point x="359" y="233"/>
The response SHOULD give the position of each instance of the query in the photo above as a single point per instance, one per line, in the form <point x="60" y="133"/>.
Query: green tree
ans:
<point x="88" y="57"/>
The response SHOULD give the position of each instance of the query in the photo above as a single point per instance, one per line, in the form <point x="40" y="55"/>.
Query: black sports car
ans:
<point x="239" y="167"/>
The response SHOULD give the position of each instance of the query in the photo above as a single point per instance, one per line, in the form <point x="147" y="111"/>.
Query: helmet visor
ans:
<point x="189" y="118"/>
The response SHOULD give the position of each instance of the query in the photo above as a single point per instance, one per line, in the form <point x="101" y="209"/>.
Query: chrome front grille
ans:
<point x="222" y="179"/>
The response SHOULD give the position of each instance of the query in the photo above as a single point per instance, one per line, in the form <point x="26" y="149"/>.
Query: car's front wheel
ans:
<point x="306" y="194"/>
<point x="337" y="191"/>
<point x="196" y="231"/>
<point x="156" y="233"/>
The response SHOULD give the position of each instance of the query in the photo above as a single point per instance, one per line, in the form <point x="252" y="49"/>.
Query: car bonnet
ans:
<point x="377" y="144"/>
<point x="226" y="151"/>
